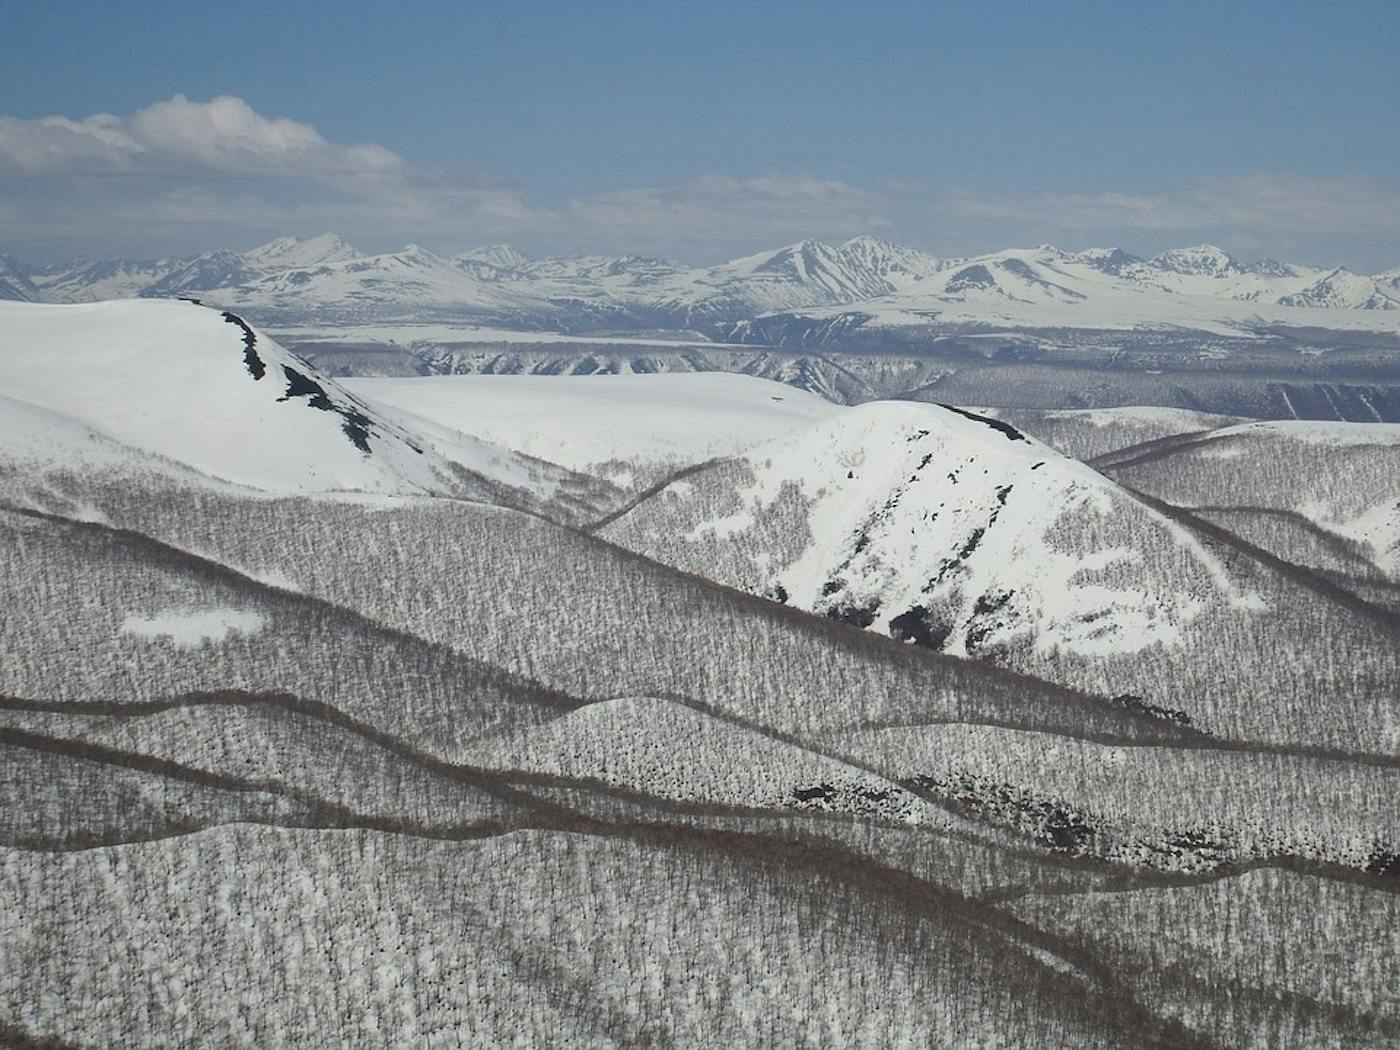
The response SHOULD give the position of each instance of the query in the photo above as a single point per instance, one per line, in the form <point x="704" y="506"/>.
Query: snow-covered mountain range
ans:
<point x="865" y="279"/>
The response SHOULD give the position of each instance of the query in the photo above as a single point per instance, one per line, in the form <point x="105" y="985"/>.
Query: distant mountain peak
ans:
<point x="1206" y="260"/>
<point x="15" y="280"/>
<point x="1342" y="289"/>
<point x="864" y="275"/>
<point x="295" y="253"/>
<point x="1271" y="268"/>
<point x="1109" y="260"/>
<point x="414" y="255"/>
<point x="869" y="249"/>
<point x="500" y="256"/>
<point x="866" y="240"/>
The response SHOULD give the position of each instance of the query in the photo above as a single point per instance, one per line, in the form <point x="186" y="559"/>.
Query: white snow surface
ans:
<point x="1201" y="288"/>
<point x="294" y="252"/>
<point x="172" y="379"/>
<point x="192" y="627"/>
<point x="913" y="507"/>
<point x="439" y="334"/>
<point x="671" y="420"/>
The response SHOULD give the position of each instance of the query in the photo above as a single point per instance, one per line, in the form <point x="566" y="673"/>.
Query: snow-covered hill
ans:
<point x="1343" y="290"/>
<point x="964" y="535"/>
<point x="458" y="775"/>
<point x="630" y="428"/>
<point x="367" y="285"/>
<point x="1318" y="493"/>
<point x="940" y="527"/>
<point x="290" y="253"/>
<point x="190" y="385"/>
<point x="805" y="274"/>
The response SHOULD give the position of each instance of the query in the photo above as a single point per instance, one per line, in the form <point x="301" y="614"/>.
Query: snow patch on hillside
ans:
<point x="192" y="627"/>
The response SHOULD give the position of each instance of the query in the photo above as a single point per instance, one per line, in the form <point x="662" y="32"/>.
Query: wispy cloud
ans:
<point x="719" y="208"/>
<point x="185" y="171"/>
<point x="1260" y="202"/>
<point x="182" y="174"/>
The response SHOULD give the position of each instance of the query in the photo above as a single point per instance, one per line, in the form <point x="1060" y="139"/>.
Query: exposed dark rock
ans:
<point x="1011" y="432"/>
<point x="355" y="423"/>
<point x="1142" y="707"/>
<point x="855" y="615"/>
<point x="1384" y="862"/>
<point x="917" y="625"/>
<point x="251" y="358"/>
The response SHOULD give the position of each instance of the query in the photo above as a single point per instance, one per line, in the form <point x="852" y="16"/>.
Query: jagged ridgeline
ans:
<point x="452" y="712"/>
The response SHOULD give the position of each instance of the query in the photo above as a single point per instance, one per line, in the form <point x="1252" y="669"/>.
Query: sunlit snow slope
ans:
<point x="201" y="388"/>
<point x="937" y="526"/>
<point x="591" y="423"/>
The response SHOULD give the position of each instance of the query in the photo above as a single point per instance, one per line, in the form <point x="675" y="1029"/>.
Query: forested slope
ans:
<point x="284" y="766"/>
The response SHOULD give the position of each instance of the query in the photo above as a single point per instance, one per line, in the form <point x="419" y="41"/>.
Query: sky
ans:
<point x="702" y="131"/>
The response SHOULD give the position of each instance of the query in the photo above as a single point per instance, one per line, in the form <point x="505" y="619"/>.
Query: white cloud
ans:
<point x="181" y="172"/>
<point x="188" y="173"/>
<point x="224" y="136"/>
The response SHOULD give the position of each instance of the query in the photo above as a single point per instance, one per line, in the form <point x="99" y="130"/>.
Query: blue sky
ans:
<point x="703" y="130"/>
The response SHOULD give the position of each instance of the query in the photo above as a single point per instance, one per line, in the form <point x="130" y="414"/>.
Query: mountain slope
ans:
<point x="284" y="767"/>
<point x="291" y="253"/>
<point x="187" y="384"/>
<point x="16" y="281"/>
<point x="963" y="535"/>
<point x="85" y="281"/>
<point x="366" y="286"/>
<point x="638" y="427"/>
<point x="1277" y="482"/>
<point x="920" y="520"/>
<point x="1201" y="289"/>
<point x="200" y="387"/>
<point x="1345" y="291"/>
<point x="808" y="273"/>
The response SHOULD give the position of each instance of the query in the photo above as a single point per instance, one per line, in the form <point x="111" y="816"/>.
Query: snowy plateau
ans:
<point x="833" y="647"/>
